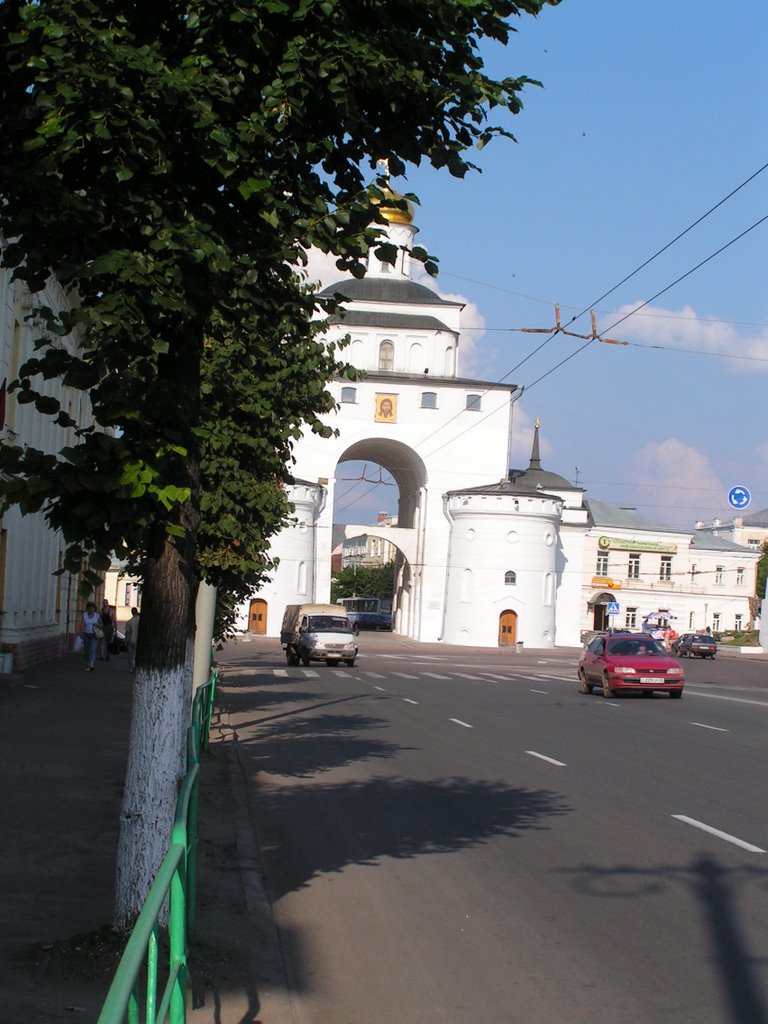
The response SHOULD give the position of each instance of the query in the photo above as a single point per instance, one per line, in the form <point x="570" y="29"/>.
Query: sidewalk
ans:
<point x="63" y="746"/>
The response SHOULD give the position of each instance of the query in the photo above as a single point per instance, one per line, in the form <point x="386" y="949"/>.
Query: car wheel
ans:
<point x="676" y="694"/>
<point x="350" y="662"/>
<point x="290" y="657"/>
<point x="607" y="691"/>
<point x="584" y="686"/>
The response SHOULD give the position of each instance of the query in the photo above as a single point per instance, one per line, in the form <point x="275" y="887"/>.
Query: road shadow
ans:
<point x="322" y="828"/>
<point x="714" y="888"/>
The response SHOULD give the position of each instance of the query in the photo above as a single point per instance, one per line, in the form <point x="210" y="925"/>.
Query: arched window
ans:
<point x="450" y="361"/>
<point x="349" y="395"/>
<point x="428" y="399"/>
<point x="510" y="578"/>
<point x="386" y="355"/>
<point x="473" y="403"/>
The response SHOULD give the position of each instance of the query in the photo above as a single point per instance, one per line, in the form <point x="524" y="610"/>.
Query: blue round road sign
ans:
<point x="739" y="497"/>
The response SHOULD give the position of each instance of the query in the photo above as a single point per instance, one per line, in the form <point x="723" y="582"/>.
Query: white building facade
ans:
<point x="484" y="555"/>
<point x="39" y="612"/>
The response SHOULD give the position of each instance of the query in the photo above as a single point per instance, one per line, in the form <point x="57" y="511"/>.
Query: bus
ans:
<point x="368" y="612"/>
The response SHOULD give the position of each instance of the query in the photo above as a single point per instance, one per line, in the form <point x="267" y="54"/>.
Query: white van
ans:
<point x="318" y="632"/>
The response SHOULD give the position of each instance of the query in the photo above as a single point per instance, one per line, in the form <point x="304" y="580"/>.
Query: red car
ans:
<point x="634" y="661"/>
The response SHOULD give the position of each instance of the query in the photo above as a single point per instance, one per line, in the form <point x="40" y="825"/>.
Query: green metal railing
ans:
<point x="143" y="969"/>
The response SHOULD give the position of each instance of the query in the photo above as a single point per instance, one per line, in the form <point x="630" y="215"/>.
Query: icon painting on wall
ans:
<point x="386" y="409"/>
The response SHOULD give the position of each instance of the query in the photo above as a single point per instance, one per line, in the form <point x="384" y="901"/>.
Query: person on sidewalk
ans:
<point x="131" y="637"/>
<point x="91" y="630"/>
<point x="108" y="628"/>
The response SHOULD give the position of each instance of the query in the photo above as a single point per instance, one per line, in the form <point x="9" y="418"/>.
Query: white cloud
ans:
<point x="686" y="330"/>
<point x="675" y="483"/>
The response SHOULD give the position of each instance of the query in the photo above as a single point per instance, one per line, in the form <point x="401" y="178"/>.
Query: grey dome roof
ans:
<point x="386" y="289"/>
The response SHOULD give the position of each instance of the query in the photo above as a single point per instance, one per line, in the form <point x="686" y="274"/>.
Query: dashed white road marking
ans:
<point x="539" y="691"/>
<point x="409" y="701"/>
<point x="279" y="671"/>
<point x="458" y="721"/>
<point x="434" y="675"/>
<point x="374" y="675"/>
<point x="720" y="835"/>
<point x="404" y="675"/>
<point x="466" y="675"/>
<point x="310" y="673"/>
<point x="723" y="696"/>
<point x="550" y="760"/>
<point x="715" y="728"/>
<point x="382" y="689"/>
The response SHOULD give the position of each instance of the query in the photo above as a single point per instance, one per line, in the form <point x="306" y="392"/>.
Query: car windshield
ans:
<point x="329" y="624"/>
<point x="635" y="648"/>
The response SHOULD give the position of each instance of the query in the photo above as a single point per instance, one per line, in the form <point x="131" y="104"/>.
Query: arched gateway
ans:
<point x="471" y="541"/>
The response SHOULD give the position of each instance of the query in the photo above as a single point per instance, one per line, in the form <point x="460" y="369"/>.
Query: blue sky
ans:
<point x="651" y="113"/>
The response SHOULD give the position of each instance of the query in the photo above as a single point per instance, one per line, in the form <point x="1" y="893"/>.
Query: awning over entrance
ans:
<point x="601" y="597"/>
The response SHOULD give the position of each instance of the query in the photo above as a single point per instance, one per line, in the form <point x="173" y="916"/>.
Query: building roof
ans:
<point x="613" y="516"/>
<point x="365" y="318"/>
<point x="701" y="541"/>
<point x="386" y="289"/>
<point x="508" y="487"/>
<point x="756" y="519"/>
<point x="537" y="478"/>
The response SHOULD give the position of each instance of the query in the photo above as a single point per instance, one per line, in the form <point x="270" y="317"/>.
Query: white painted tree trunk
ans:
<point x="156" y="766"/>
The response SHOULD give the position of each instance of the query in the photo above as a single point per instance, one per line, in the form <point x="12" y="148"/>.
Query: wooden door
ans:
<point x="257" y="617"/>
<point x="507" y="628"/>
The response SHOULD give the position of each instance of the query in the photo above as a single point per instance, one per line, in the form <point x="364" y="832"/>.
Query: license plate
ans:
<point x="645" y="680"/>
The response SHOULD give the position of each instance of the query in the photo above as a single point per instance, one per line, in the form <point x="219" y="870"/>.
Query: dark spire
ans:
<point x="535" y="460"/>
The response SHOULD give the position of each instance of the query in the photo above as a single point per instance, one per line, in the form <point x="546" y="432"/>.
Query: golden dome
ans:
<point x="394" y="214"/>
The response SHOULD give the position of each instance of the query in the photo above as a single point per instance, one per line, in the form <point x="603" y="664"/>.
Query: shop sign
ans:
<point x="606" y="583"/>
<point x="623" y="544"/>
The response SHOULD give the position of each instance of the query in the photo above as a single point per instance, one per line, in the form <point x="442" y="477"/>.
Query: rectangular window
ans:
<point x="716" y="622"/>
<point x="349" y="395"/>
<point x="719" y="574"/>
<point x="602" y="564"/>
<point x="428" y="399"/>
<point x="665" y="572"/>
<point x="633" y="572"/>
<point x="630" y="618"/>
<point x="691" y="617"/>
<point x="739" y="577"/>
<point x="473" y="403"/>
<point x="737" y="623"/>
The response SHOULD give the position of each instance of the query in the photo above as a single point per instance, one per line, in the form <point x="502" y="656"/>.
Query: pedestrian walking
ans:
<point x="91" y="631"/>
<point x="131" y="637"/>
<point x="108" y="629"/>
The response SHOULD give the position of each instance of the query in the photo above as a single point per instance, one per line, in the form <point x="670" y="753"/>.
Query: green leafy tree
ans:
<point x="170" y="163"/>
<point x="364" y="581"/>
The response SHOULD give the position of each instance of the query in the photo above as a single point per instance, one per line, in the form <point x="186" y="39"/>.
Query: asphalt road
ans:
<point x="454" y="835"/>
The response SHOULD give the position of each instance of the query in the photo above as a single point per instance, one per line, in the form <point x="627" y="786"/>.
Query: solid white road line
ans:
<point x="715" y="728"/>
<point x="550" y="760"/>
<point x="458" y="721"/>
<point x="720" y="835"/>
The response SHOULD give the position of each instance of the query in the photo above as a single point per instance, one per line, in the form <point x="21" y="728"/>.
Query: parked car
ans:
<point x="632" y="661"/>
<point x="695" y="645"/>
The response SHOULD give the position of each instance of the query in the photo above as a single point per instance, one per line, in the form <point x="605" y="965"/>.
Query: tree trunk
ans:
<point x="162" y="693"/>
